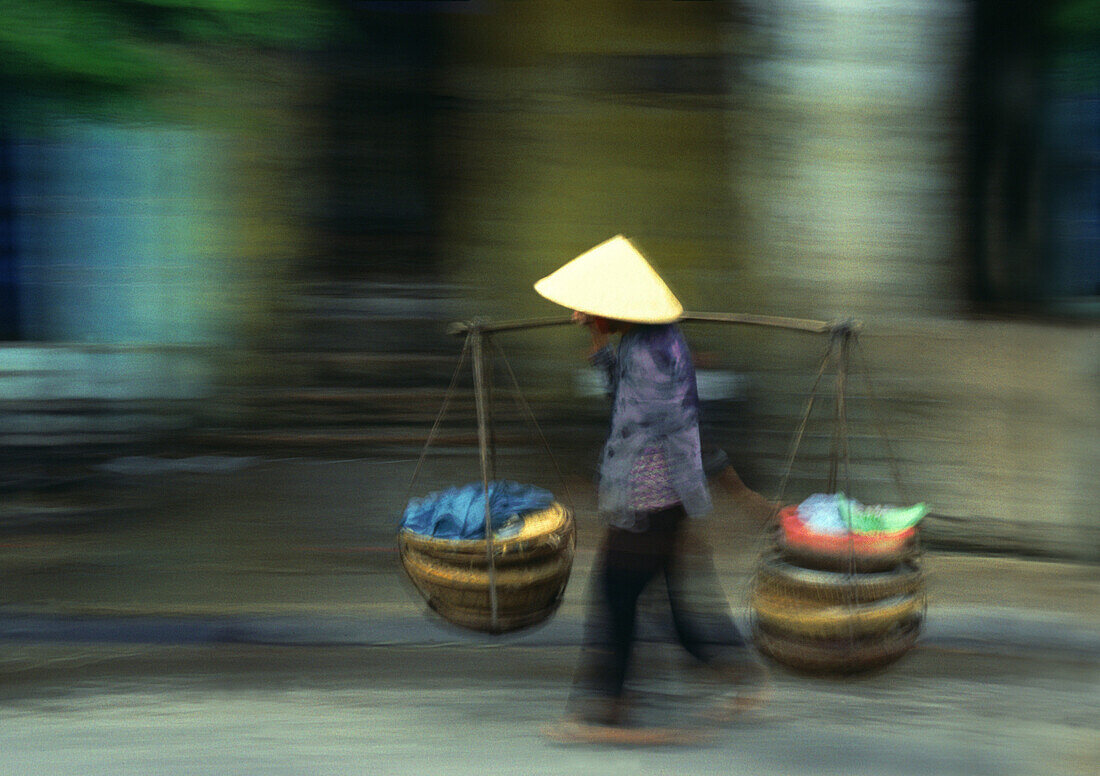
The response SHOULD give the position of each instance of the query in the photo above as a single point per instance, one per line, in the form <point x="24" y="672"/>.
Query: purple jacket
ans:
<point x="655" y="403"/>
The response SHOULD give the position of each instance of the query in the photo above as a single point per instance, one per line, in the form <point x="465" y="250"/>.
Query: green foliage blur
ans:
<point x="114" y="58"/>
<point x="1076" y="17"/>
<point x="1075" y="44"/>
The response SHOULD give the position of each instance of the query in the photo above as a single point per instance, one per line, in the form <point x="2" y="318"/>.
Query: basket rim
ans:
<point x="478" y="545"/>
<point x="775" y="563"/>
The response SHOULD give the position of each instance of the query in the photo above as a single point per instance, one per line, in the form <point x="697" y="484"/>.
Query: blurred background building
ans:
<point x="244" y="228"/>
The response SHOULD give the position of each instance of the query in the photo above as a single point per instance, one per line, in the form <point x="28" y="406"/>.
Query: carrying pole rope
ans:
<point x="769" y="529"/>
<point x="481" y="401"/>
<point x="439" y="418"/>
<point x="489" y="380"/>
<point x="801" y="431"/>
<point x="840" y="340"/>
<point x="834" y="449"/>
<point x="840" y="455"/>
<point x="525" y="407"/>
<point x="891" y="456"/>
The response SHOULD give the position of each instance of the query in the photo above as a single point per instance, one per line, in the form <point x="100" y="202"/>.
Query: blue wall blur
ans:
<point x="9" y="312"/>
<point x="108" y="234"/>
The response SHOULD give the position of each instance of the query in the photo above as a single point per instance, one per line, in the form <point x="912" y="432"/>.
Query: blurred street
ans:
<point x="476" y="710"/>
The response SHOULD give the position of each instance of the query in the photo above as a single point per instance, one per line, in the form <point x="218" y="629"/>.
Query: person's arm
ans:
<point x="717" y="466"/>
<point x="601" y="355"/>
<point x="607" y="362"/>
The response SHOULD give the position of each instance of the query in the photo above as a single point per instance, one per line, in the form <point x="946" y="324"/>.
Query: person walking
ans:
<point x="651" y="477"/>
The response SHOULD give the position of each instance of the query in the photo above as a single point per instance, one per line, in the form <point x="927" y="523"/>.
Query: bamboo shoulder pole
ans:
<point x="774" y="321"/>
<point x="462" y="328"/>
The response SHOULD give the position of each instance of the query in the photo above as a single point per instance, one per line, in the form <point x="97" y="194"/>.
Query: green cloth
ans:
<point x="865" y="519"/>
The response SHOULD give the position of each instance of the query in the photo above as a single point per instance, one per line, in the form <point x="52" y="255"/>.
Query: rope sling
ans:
<point x="459" y="583"/>
<point x="805" y="585"/>
<point x="829" y="613"/>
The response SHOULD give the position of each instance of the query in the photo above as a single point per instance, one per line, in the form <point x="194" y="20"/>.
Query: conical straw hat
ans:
<point x="612" y="280"/>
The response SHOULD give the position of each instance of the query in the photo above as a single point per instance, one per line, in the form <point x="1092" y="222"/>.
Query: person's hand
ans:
<point x="599" y="336"/>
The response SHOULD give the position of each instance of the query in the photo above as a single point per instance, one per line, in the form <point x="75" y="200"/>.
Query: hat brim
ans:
<point x="612" y="280"/>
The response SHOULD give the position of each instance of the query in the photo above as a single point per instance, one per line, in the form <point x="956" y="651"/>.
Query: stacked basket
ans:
<point x="837" y="604"/>
<point x="528" y="574"/>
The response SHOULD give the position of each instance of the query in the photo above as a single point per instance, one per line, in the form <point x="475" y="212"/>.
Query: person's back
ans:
<point x="652" y="456"/>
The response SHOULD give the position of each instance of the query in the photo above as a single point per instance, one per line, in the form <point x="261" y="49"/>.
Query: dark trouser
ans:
<point x="629" y="561"/>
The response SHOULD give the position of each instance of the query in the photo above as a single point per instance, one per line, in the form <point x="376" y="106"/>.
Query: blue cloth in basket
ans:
<point x="459" y="513"/>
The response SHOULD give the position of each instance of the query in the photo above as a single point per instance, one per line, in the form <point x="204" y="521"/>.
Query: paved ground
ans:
<point x="475" y="710"/>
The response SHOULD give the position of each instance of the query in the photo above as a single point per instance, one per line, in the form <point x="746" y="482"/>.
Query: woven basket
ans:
<point x="838" y="656"/>
<point x="778" y="577"/>
<point x="453" y="575"/>
<point x="817" y="620"/>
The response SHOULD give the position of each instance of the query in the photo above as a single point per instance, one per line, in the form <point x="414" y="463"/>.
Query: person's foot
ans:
<point x="605" y="712"/>
<point x="751" y="692"/>
<point x="574" y="731"/>
<point x="740" y="703"/>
